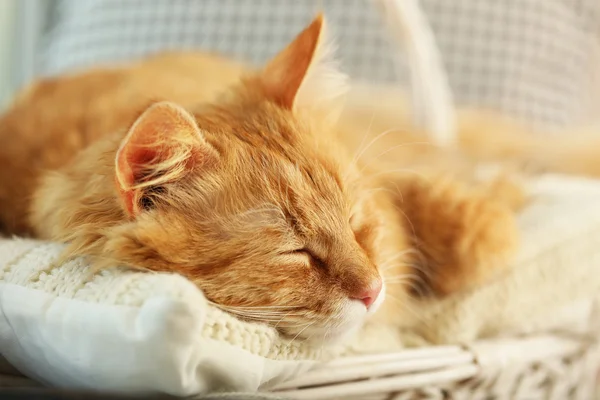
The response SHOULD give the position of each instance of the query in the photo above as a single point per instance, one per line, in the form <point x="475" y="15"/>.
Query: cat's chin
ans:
<point x="343" y="326"/>
<point x="335" y="329"/>
<point x="331" y="337"/>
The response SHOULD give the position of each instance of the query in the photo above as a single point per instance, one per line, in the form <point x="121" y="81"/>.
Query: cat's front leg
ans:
<point x="463" y="232"/>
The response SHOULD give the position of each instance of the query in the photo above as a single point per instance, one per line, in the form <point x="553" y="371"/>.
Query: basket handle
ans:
<point x="432" y="103"/>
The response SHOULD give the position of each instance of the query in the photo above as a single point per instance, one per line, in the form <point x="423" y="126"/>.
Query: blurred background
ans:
<point x="7" y="15"/>
<point x="537" y="60"/>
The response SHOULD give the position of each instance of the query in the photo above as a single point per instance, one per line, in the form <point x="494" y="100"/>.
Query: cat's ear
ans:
<point x="162" y="146"/>
<point x="305" y="74"/>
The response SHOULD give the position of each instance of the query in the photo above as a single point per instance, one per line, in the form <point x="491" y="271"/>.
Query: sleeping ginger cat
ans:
<point x="259" y="186"/>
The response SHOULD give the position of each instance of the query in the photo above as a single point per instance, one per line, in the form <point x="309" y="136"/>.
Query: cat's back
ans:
<point x="53" y="119"/>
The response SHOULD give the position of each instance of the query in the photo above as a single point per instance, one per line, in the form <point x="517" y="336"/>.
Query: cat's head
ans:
<point x="254" y="200"/>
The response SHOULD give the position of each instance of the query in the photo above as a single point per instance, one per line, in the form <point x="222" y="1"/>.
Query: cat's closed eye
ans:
<point x="311" y="257"/>
<point x="303" y="252"/>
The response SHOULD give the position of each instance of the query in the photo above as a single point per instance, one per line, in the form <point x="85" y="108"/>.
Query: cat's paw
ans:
<point x="474" y="240"/>
<point x="465" y="233"/>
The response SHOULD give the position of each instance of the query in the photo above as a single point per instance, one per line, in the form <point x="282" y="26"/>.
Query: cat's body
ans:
<point x="279" y="212"/>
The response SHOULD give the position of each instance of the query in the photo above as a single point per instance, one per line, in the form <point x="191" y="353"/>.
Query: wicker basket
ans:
<point x="531" y="367"/>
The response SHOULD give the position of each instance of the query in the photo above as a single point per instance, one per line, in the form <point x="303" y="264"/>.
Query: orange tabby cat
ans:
<point x="250" y="184"/>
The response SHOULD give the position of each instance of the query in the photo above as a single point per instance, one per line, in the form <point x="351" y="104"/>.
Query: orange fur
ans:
<point x="240" y="182"/>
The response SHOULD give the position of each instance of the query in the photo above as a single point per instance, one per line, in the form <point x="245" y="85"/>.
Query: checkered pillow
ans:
<point x="534" y="59"/>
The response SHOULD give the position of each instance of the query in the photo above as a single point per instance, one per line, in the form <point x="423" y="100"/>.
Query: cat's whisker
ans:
<point x="406" y="306"/>
<point x="252" y="315"/>
<point x="415" y="286"/>
<point x="401" y="170"/>
<point x="398" y="193"/>
<point x="259" y="315"/>
<point x="258" y="310"/>
<point x="385" y="264"/>
<point x="262" y="314"/>
<point x="308" y="325"/>
<point x="427" y="273"/>
<point x="412" y="226"/>
<point x="276" y="323"/>
<point x="408" y="284"/>
<point x="326" y="332"/>
<point x="401" y="279"/>
<point x="401" y="276"/>
<point x="323" y="341"/>
<point x="373" y="159"/>
<point x="412" y="281"/>
<point x="287" y="325"/>
<point x="397" y="264"/>
<point x="424" y="290"/>
<point x="362" y="151"/>
<point x="262" y="307"/>
<point x="364" y="138"/>
<point x="373" y="141"/>
<point x="279" y="322"/>
<point x="266" y="312"/>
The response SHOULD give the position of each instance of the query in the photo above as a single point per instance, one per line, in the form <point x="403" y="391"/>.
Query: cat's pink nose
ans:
<point x="368" y="296"/>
